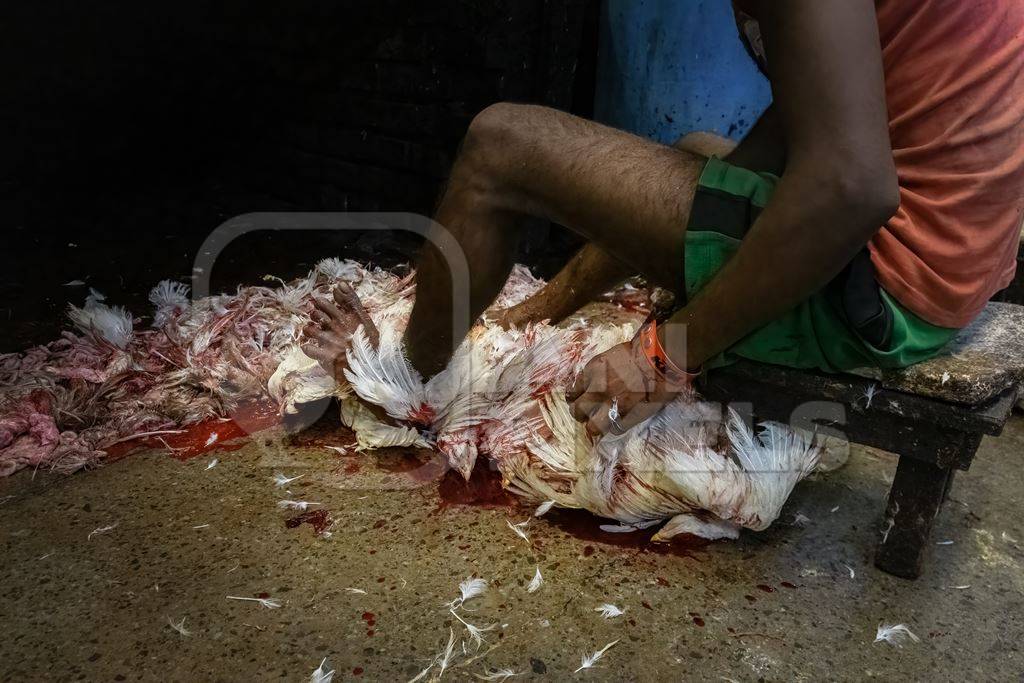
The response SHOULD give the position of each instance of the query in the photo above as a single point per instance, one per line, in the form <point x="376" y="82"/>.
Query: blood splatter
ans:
<point x="424" y="415"/>
<point x="698" y="621"/>
<point x="206" y="436"/>
<point x="483" y="488"/>
<point x="320" y="520"/>
<point x="358" y="671"/>
<point x="766" y="588"/>
<point x="586" y="527"/>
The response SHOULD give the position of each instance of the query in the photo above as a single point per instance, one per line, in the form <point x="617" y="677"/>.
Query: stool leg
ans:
<point x="914" y="501"/>
<point x="949" y="485"/>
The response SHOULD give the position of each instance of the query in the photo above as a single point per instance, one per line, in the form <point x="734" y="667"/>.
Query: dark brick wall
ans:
<point x="365" y="106"/>
<point x="132" y="129"/>
<point x="341" y="103"/>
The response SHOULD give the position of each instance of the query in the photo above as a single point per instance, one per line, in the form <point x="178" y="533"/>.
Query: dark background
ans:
<point x="131" y="130"/>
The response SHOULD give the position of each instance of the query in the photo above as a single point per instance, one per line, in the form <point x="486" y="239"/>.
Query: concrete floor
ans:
<point x="780" y="605"/>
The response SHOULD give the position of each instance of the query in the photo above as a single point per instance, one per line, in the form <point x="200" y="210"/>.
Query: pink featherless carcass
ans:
<point x="502" y="397"/>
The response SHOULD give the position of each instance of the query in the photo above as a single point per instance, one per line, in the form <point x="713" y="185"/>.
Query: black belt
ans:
<point x="862" y="303"/>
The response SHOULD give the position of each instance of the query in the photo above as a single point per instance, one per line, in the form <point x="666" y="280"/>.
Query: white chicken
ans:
<point x="503" y="396"/>
<point x="695" y="465"/>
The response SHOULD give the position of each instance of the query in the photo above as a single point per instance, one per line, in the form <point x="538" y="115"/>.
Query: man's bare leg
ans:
<point x="593" y="271"/>
<point x="627" y="195"/>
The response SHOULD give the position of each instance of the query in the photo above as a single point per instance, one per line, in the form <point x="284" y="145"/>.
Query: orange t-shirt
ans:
<point x="954" y="79"/>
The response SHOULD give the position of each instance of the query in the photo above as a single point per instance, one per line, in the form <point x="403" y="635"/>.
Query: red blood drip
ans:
<point x="370" y="618"/>
<point x="198" y="439"/>
<point x="483" y="488"/>
<point x="424" y="415"/>
<point x="540" y="390"/>
<point x="320" y="520"/>
<point x="370" y="633"/>
<point x="588" y="550"/>
<point x="646" y="604"/>
<point x="586" y="527"/>
<point x="698" y="621"/>
<point x="358" y="671"/>
<point x="787" y="584"/>
<point x="263" y="596"/>
<point x="662" y="582"/>
<point x="765" y="588"/>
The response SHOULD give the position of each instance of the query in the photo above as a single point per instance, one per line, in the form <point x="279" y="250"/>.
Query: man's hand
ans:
<point x="333" y="326"/>
<point x="619" y="389"/>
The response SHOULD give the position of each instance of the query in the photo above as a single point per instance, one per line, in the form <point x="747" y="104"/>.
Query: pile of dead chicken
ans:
<point x="62" y="404"/>
<point x="502" y="397"/>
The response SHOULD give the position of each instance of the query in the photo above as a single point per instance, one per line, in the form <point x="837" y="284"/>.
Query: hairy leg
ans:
<point x="629" y="196"/>
<point x="593" y="271"/>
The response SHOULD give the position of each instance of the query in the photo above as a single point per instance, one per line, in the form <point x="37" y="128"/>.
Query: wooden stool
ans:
<point x="933" y="415"/>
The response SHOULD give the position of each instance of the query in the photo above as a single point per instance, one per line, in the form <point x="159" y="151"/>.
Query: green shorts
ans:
<point x="815" y="334"/>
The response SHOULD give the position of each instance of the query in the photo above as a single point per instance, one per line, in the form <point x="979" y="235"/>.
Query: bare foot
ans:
<point x="332" y="327"/>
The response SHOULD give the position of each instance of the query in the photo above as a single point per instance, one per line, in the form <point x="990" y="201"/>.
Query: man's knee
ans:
<point x="495" y="121"/>
<point x="490" y="143"/>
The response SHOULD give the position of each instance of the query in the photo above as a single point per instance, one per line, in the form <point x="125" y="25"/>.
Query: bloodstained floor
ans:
<point x="97" y="566"/>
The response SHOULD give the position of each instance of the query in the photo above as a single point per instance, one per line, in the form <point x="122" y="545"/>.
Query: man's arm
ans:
<point x="839" y="185"/>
